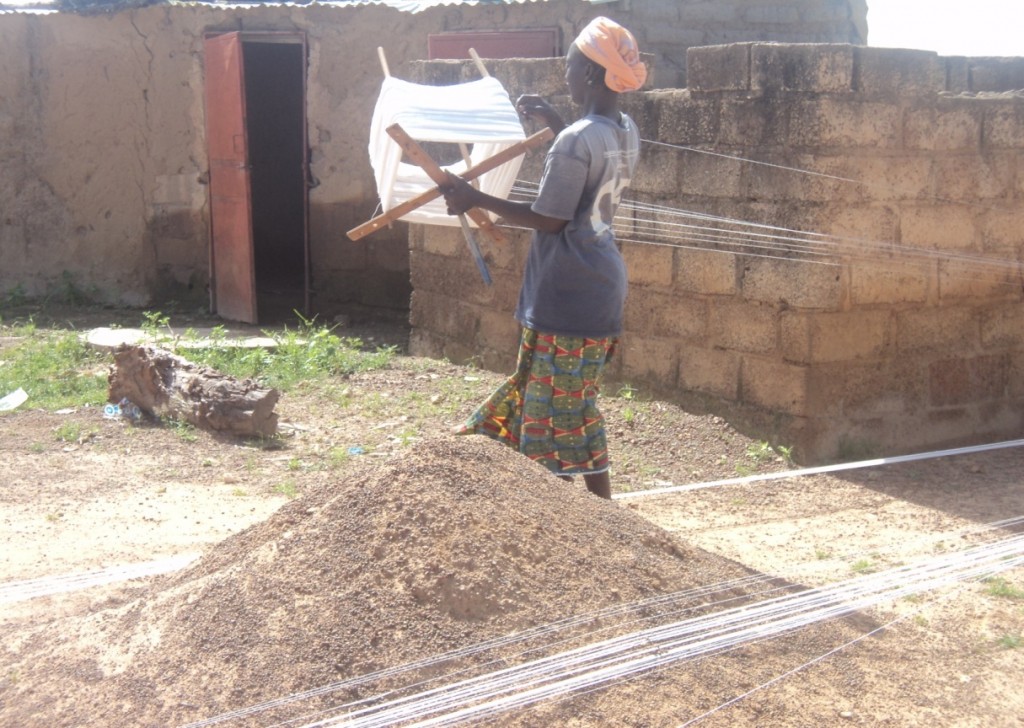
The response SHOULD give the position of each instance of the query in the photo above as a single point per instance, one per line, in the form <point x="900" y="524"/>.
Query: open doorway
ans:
<point x="256" y="137"/>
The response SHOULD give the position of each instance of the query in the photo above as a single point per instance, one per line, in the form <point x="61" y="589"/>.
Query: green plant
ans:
<point x="863" y="566"/>
<point x="822" y="554"/>
<point x="288" y="489"/>
<point x="185" y="430"/>
<point x="54" y="517"/>
<point x="1000" y="587"/>
<point x="37" y="448"/>
<point x="238" y="491"/>
<point x="1010" y="641"/>
<point x="308" y="353"/>
<point x="68" y="432"/>
<point x="54" y="367"/>
<point x="628" y="392"/>
<point x="294" y="464"/>
<point x="338" y="456"/>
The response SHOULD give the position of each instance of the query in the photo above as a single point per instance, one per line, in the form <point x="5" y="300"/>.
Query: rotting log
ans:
<point x="164" y="384"/>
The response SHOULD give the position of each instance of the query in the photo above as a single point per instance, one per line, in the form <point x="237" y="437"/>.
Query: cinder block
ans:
<point x="829" y="122"/>
<point x="946" y="227"/>
<point x="965" y="279"/>
<point x="958" y="74"/>
<point x="654" y="361"/>
<point x="706" y="175"/>
<point x="774" y="385"/>
<point x="889" y="177"/>
<point x="709" y="371"/>
<point x="801" y="67"/>
<point x="1003" y="327"/>
<point x="666" y="315"/>
<point x="889" y="281"/>
<point x="896" y="73"/>
<point x="444" y="316"/>
<point x="426" y="344"/>
<point x="858" y="229"/>
<point x="947" y="328"/>
<point x="706" y="272"/>
<point x="657" y="172"/>
<point x="687" y="121"/>
<point x="648" y="265"/>
<point x="440" y="240"/>
<point x="792" y="283"/>
<point x="742" y="326"/>
<point x="718" y="68"/>
<point x="803" y="177"/>
<point x="1004" y="125"/>
<point x="748" y="123"/>
<point x="966" y="380"/>
<point x="964" y="178"/>
<point x="498" y="330"/>
<point x="947" y="127"/>
<point x="834" y="337"/>
<point x="858" y="391"/>
<point x="997" y="74"/>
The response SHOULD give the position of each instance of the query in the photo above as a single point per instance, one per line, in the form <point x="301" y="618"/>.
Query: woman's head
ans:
<point x="612" y="49"/>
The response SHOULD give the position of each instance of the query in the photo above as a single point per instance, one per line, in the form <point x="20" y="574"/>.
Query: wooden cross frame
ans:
<point x="415" y="152"/>
<point x="492" y="162"/>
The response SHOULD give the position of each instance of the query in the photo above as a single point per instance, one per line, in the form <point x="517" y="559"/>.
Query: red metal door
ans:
<point x="232" y="265"/>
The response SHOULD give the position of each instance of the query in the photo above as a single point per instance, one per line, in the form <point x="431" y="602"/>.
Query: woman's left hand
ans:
<point x="459" y="194"/>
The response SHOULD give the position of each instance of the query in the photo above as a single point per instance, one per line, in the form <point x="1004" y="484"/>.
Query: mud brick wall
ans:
<point x="103" y="157"/>
<point x="876" y="353"/>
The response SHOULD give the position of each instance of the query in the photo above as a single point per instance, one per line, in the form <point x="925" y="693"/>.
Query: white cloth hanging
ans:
<point x="478" y="114"/>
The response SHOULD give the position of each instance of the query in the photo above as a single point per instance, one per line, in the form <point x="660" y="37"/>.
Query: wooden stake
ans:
<point x="479" y="64"/>
<point x="383" y="62"/>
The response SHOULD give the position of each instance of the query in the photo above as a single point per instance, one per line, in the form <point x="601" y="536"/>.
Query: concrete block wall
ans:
<point x="907" y="335"/>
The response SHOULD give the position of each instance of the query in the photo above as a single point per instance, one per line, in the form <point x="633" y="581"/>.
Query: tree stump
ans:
<point x="164" y="384"/>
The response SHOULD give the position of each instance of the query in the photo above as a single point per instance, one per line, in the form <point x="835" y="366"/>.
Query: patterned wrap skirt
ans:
<point x="547" y="409"/>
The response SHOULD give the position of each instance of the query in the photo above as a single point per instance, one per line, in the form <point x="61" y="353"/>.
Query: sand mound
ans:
<point x="458" y="541"/>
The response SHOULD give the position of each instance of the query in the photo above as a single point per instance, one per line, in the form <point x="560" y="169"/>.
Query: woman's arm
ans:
<point x="462" y="196"/>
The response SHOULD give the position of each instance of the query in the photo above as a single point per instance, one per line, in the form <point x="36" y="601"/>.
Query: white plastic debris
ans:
<point x="15" y="399"/>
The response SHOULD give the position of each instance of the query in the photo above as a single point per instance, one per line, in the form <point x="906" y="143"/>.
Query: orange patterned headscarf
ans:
<point x="614" y="48"/>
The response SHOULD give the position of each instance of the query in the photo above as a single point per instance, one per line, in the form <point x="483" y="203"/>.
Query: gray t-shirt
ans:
<point x="575" y="281"/>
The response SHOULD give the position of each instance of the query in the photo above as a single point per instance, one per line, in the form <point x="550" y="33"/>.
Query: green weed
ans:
<point x="1010" y="641"/>
<point x="863" y="566"/>
<point x="288" y="489"/>
<point x="68" y="432"/>
<point x="185" y="430"/>
<point x="54" y="367"/>
<point x="1000" y="587"/>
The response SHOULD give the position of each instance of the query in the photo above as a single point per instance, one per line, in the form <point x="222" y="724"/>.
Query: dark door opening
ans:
<point x="275" y="122"/>
<point x="256" y="136"/>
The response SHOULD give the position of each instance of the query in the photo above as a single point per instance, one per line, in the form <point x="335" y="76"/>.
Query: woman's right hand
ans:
<point x="540" y="111"/>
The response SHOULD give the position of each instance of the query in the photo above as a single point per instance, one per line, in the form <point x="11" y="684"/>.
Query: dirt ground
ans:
<point x="364" y="478"/>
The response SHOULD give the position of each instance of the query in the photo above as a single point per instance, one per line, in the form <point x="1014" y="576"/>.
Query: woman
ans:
<point x="574" y="286"/>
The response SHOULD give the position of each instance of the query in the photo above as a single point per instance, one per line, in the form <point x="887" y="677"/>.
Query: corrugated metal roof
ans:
<point x="43" y="7"/>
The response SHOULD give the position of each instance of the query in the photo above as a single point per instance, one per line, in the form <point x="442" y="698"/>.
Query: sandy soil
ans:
<point x="364" y="540"/>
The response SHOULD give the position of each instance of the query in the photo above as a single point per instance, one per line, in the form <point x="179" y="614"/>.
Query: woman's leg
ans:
<point x="600" y="484"/>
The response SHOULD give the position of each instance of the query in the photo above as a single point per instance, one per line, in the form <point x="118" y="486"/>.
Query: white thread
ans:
<point x="823" y="469"/>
